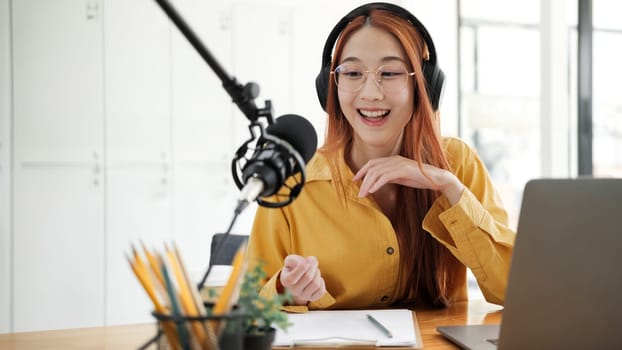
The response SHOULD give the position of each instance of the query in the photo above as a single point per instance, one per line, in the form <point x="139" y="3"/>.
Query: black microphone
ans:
<point x="281" y="152"/>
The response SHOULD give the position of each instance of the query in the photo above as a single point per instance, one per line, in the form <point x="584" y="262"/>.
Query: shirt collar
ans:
<point x="318" y="169"/>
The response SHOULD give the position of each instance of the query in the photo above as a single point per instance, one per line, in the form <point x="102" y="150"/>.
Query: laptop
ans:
<point x="565" y="284"/>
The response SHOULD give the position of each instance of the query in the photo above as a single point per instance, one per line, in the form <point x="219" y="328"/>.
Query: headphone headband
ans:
<point x="433" y="75"/>
<point x="364" y="10"/>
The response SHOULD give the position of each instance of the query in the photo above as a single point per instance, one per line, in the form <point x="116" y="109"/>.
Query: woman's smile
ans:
<point x="374" y="117"/>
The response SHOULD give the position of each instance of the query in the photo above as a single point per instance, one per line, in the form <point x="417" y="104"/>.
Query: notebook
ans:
<point x="338" y="328"/>
<point x="565" y="279"/>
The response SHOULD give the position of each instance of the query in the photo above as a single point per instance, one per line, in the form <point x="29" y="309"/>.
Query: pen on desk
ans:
<point x="379" y="325"/>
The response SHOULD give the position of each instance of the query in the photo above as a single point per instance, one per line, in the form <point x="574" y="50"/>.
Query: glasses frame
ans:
<point x="366" y="72"/>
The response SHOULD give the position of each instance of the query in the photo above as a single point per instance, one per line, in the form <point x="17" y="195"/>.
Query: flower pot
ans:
<point x="259" y="339"/>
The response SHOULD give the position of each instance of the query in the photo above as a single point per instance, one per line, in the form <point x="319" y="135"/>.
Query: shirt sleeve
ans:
<point x="270" y="243"/>
<point x="476" y="228"/>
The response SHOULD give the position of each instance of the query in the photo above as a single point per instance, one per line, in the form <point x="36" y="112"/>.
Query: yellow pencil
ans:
<point x="230" y="292"/>
<point x="212" y="340"/>
<point x="185" y="297"/>
<point x="153" y="263"/>
<point x="143" y="277"/>
<point x="153" y="268"/>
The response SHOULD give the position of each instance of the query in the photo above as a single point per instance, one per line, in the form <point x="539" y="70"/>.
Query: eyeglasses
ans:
<point x="350" y="77"/>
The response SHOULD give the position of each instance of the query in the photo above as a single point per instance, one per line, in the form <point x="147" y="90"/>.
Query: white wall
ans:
<point x="5" y="168"/>
<point x="164" y="137"/>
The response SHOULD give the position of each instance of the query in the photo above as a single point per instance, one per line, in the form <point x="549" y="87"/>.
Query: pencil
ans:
<point x="153" y="263"/>
<point x="185" y="297"/>
<point x="379" y="325"/>
<point x="143" y="277"/>
<point x="228" y="296"/>
<point x="184" y="338"/>
<point x="153" y="269"/>
<point x="212" y="340"/>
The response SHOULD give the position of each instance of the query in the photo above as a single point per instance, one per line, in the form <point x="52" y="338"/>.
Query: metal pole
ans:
<point x="585" y="164"/>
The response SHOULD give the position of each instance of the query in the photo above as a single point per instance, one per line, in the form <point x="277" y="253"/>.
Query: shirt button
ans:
<point x="390" y="250"/>
<point x="384" y="299"/>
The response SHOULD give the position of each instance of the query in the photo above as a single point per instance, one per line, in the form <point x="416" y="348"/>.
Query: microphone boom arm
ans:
<point x="242" y="95"/>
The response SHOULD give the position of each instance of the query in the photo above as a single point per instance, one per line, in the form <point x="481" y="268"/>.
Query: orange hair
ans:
<point x="426" y="263"/>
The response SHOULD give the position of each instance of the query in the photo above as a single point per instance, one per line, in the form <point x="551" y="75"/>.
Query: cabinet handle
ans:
<point x="283" y="27"/>
<point x="92" y="10"/>
<point x="225" y="21"/>
<point x="96" y="170"/>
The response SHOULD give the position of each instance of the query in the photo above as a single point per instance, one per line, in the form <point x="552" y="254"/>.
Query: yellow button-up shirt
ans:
<point x="356" y="245"/>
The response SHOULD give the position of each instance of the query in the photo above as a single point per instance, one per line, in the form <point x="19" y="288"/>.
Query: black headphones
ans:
<point x="432" y="73"/>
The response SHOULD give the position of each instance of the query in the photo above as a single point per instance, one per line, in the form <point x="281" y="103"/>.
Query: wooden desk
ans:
<point x="473" y="312"/>
<point x="133" y="336"/>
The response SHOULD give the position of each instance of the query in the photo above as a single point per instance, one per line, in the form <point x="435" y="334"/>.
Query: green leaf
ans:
<point x="261" y="312"/>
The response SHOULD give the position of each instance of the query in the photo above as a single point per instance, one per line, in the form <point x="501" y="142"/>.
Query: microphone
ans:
<point x="281" y="152"/>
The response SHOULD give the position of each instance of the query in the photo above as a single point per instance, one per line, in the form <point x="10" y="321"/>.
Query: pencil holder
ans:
<point x="205" y="332"/>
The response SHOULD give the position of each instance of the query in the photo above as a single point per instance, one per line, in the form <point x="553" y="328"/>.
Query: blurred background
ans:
<point x="114" y="131"/>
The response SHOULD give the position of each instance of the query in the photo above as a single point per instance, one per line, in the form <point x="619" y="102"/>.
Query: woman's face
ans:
<point x="377" y="117"/>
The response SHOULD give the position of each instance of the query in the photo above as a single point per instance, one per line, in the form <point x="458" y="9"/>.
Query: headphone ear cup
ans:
<point x="321" y="85"/>
<point x="435" y="80"/>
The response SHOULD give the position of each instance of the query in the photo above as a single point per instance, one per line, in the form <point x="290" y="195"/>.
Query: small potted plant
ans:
<point x="261" y="312"/>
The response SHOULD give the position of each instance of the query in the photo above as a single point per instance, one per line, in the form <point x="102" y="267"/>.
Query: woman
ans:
<point x="391" y="213"/>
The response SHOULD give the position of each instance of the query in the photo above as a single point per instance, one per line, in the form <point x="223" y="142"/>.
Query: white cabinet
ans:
<point x="58" y="256"/>
<point x="58" y="104"/>
<point x="138" y="147"/>
<point x="58" y="213"/>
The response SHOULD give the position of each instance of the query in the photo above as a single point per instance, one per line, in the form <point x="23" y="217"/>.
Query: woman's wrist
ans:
<point x="300" y="302"/>
<point x="453" y="190"/>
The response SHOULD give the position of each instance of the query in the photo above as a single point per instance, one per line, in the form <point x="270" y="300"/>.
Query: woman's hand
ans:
<point x="403" y="171"/>
<point x="301" y="276"/>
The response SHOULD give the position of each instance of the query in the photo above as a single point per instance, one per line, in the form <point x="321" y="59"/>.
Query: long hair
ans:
<point x="426" y="264"/>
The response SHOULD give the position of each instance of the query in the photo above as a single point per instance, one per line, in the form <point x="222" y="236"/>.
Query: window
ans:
<point x="517" y="85"/>
<point x="607" y="73"/>
<point x="500" y="90"/>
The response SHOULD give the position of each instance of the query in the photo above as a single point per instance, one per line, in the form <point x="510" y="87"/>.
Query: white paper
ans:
<point x="218" y="277"/>
<point x="348" y="327"/>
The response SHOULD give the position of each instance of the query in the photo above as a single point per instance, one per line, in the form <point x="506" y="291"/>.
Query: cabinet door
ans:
<point x="58" y="201"/>
<point x="58" y="255"/>
<point x="5" y="171"/>
<point x="138" y="209"/>
<point x="57" y="79"/>
<point x="138" y="136"/>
